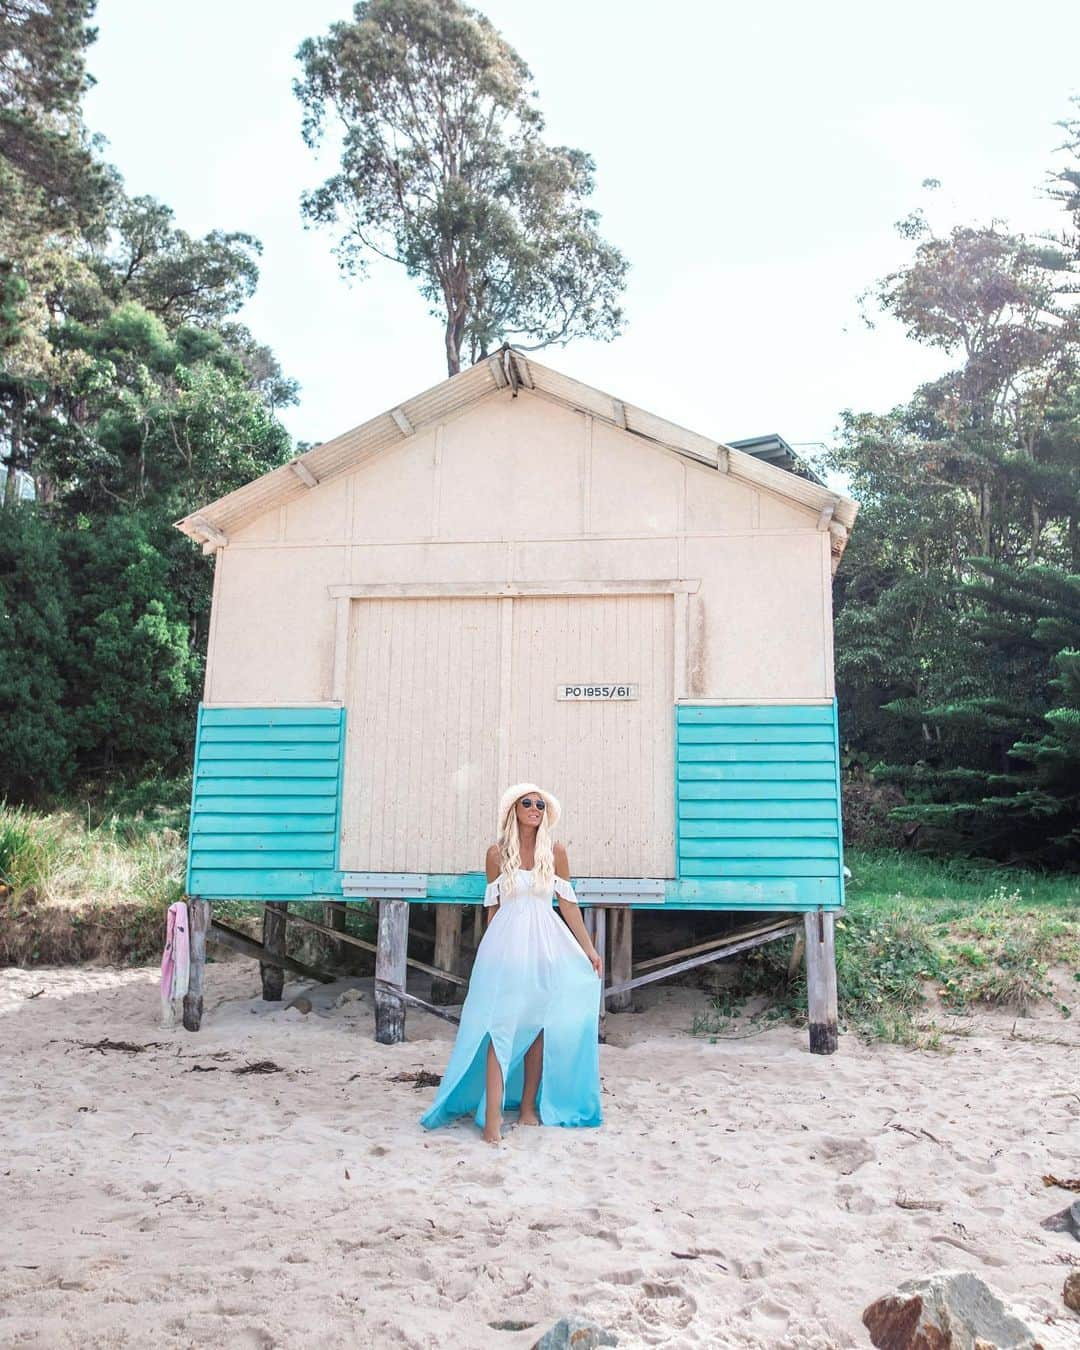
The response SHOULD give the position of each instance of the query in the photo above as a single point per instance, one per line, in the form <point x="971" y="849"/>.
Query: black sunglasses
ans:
<point x="528" y="802"/>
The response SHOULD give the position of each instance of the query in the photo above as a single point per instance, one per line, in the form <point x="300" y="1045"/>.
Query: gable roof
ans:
<point x="508" y="370"/>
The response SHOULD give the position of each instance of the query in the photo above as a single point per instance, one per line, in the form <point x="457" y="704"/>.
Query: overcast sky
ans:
<point x="752" y="161"/>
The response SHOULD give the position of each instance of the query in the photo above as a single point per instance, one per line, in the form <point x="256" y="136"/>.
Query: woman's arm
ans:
<point x="571" y="912"/>
<point x="492" y="867"/>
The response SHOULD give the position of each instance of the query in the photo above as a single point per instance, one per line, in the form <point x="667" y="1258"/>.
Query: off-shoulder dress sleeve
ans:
<point x="564" y="890"/>
<point x="491" y="894"/>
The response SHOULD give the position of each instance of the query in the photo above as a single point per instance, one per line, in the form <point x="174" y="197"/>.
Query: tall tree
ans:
<point x="444" y="170"/>
<point x="180" y="279"/>
<point x="49" y="178"/>
<point x="957" y="622"/>
<point x="991" y="300"/>
<point x="1016" y="794"/>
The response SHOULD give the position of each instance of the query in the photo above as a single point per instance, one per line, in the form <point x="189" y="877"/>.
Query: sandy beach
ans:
<point x="741" y="1193"/>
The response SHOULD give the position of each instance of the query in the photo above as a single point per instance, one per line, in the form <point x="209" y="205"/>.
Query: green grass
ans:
<point x="946" y="886"/>
<point x="92" y="879"/>
<point x="916" y="930"/>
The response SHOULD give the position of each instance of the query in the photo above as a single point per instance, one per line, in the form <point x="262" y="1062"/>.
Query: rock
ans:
<point x="952" y="1310"/>
<point x="1066" y="1220"/>
<point x="299" y="1004"/>
<point x="575" y="1333"/>
<point x="349" y="996"/>
<point x="1071" y="1292"/>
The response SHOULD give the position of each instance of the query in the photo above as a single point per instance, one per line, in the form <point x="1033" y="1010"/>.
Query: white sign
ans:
<point x="595" y="693"/>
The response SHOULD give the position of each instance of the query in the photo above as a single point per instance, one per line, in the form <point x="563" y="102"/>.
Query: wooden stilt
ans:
<point x="595" y="920"/>
<point x="477" y="926"/>
<point x="600" y="942"/>
<point x="198" y="923"/>
<point x="798" y="950"/>
<point x="620" y="956"/>
<point x="273" y="976"/>
<point x="821" y="982"/>
<point x="447" y="951"/>
<point x="334" y="917"/>
<point x="390" y="967"/>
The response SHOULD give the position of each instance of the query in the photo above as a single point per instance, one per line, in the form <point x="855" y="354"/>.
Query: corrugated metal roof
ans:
<point x="774" y="449"/>
<point x="509" y="369"/>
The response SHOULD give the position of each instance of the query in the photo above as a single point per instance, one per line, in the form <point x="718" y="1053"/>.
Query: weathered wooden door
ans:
<point x="449" y="700"/>
<point x="610" y="760"/>
<point x="421" y="768"/>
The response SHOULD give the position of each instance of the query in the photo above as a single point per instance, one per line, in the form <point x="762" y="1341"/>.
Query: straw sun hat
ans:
<point x="512" y="794"/>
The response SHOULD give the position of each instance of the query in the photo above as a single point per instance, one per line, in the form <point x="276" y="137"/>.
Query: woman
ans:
<point x="529" y="1022"/>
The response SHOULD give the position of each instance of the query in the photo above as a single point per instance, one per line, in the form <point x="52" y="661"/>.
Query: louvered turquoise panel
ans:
<point x="757" y="797"/>
<point x="266" y="803"/>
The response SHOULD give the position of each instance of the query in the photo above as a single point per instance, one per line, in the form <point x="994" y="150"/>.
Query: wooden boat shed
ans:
<point x="514" y="576"/>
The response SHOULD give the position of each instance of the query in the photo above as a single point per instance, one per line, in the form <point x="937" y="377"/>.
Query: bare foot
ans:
<point x="528" y="1116"/>
<point x="493" y="1134"/>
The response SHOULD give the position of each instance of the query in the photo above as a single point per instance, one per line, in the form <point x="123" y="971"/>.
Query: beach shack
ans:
<point x="514" y="576"/>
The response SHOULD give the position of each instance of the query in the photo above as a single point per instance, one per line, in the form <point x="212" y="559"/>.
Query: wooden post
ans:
<point x="334" y="917"/>
<point x="595" y="917"/>
<point x="821" y="982"/>
<point x="797" y="951"/>
<point x="198" y="924"/>
<point x="390" y="971"/>
<point x="620" y="956"/>
<point x="478" y="926"/>
<point x="447" y="952"/>
<point x="273" y="976"/>
<point x="600" y="943"/>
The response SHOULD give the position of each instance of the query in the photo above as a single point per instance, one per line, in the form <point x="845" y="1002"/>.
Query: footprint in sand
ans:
<point x="632" y="1276"/>
<point x="854" y="1200"/>
<point x="668" y="1304"/>
<point x="846" y="1155"/>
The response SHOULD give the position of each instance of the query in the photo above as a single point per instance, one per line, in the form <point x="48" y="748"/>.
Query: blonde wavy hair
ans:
<point x="510" y="851"/>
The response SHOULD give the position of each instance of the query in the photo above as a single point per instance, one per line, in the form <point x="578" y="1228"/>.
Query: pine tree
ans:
<point x="1019" y="798"/>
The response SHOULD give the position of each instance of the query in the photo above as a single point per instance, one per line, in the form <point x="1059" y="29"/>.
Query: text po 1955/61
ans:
<point x="595" y="693"/>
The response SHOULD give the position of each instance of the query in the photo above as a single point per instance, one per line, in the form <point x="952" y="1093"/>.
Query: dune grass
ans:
<point x="92" y="879"/>
<point x="919" y="931"/>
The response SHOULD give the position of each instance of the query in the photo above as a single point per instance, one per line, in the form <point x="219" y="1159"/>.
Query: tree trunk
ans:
<point x="454" y="329"/>
<point x="11" y="485"/>
<point x="455" y="297"/>
<point x="985" y="514"/>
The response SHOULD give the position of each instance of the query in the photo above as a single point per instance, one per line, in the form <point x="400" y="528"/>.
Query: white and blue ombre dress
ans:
<point x="530" y="975"/>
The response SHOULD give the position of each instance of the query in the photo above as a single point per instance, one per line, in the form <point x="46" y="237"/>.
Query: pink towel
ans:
<point x="176" y="959"/>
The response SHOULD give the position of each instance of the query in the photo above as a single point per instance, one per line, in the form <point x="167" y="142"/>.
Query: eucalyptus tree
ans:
<point x="992" y="301"/>
<point x="183" y="280"/>
<point x="443" y="169"/>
